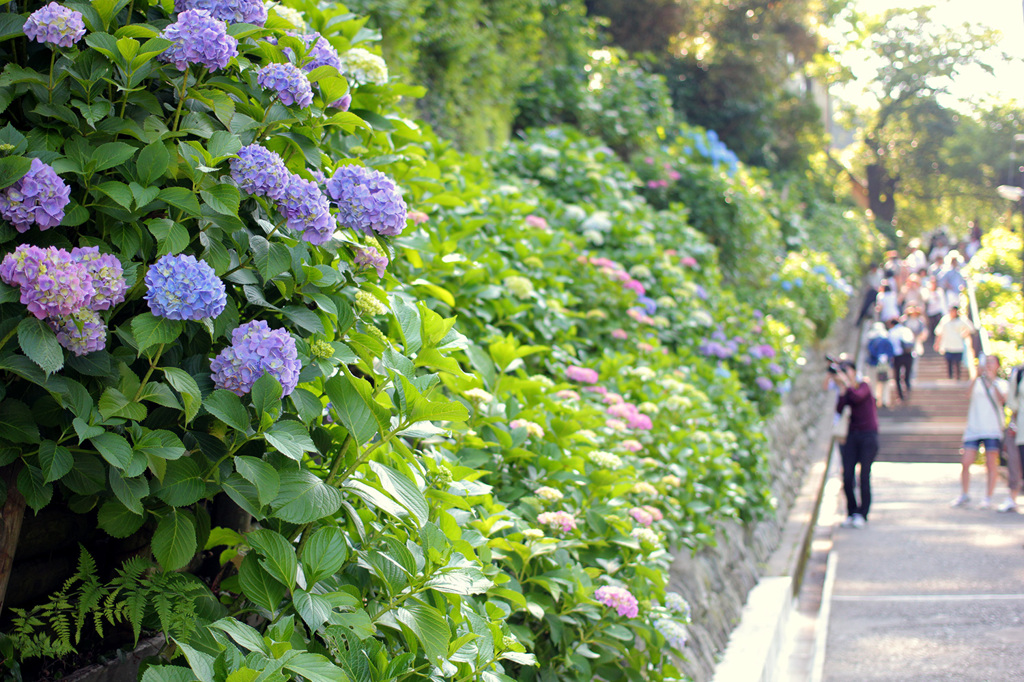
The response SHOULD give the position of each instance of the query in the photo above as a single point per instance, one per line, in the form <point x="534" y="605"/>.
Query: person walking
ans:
<point x="1014" y="450"/>
<point x="985" y="419"/>
<point x="951" y="340"/>
<point x="935" y="305"/>
<point x="902" y="340"/>
<point x="861" y="444"/>
<point x="880" y="353"/>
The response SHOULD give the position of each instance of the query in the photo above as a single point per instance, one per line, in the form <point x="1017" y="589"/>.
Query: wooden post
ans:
<point x="10" y="526"/>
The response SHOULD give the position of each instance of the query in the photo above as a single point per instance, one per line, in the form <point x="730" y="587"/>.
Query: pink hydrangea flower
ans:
<point x="620" y="334"/>
<point x="417" y="217"/>
<point x="641" y="516"/>
<point x="645" y="347"/>
<point x="674" y="175"/>
<point x="624" y="603"/>
<point x="567" y="395"/>
<point x="616" y="424"/>
<point x="601" y="390"/>
<point x="612" y="398"/>
<point x="564" y="521"/>
<point x="583" y="375"/>
<point x="653" y="511"/>
<point x="632" y="445"/>
<point x="688" y="261"/>
<point x="536" y="221"/>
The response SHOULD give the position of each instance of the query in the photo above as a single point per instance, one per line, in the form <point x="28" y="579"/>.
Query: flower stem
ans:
<point x="181" y="99"/>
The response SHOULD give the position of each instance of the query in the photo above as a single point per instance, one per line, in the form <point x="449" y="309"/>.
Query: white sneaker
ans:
<point x="1008" y="506"/>
<point x="986" y="503"/>
<point x="960" y="500"/>
<point x="858" y="521"/>
<point x="847" y="522"/>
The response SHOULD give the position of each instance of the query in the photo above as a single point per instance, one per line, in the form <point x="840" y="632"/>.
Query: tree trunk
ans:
<point x="10" y="526"/>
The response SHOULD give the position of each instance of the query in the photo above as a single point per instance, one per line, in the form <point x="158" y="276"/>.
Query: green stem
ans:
<point x="369" y="451"/>
<point x="304" y="530"/>
<point x="152" y="366"/>
<point x="53" y="58"/>
<point x="7" y="338"/>
<point x="250" y="257"/>
<point x="181" y="100"/>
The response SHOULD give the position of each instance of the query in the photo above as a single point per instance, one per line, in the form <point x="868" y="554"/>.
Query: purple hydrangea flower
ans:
<point x="39" y="197"/>
<point x="624" y="603"/>
<point x="255" y="350"/>
<point x="52" y="283"/>
<point x="198" y="37"/>
<point x="674" y="633"/>
<point x="182" y="288"/>
<point x="55" y="24"/>
<point x="81" y="332"/>
<point x="307" y="210"/>
<point x="343" y="104"/>
<point x="230" y="11"/>
<point x="107" y="276"/>
<point x="368" y="201"/>
<point x="289" y="82"/>
<point x="319" y="52"/>
<point x="764" y="383"/>
<point x="259" y="171"/>
<point x="371" y="258"/>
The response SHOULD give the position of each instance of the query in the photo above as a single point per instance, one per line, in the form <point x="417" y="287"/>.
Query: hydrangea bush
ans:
<point x="257" y="293"/>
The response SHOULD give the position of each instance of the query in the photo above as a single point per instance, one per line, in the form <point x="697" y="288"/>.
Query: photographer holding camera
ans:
<point x="861" y="444"/>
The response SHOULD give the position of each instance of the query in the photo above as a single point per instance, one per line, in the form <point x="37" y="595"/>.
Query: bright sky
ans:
<point x="1005" y="15"/>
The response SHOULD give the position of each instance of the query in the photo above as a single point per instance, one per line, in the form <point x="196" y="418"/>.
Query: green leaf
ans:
<point x="118" y="520"/>
<point x="87" y="477"/>
<point x="351" y="400"/>
<point x="271" y="259"/>
<point x="112" y="154"/>
<point x="150" y="330"/>
<point x="403" y="490"/>
<point x="174" y="542"/>
<point x="113" y="403"/>
<point x="171" y="673"/>
<point x="244" y="494"/>
<point x="202" y="664"/>
<point x="223" y="143"/>
<point x="279" y="555"/>
<point x="39" y="343"/>
<point x="113" y="448"/>
<point x="316" y="668"/>
<point x="144" y="196"/>
<point x="290" y="438"/>
<point x="429" y="626"/>
<point x="118" y="191"/>
<point x="152" y="163"/>
<point x="245" y="636"/>
<point x="11" y="25"/>
<point x="323" y="554"/>
<point x="172" y="237"/>
<point x="314" y="609"/>
<point x="304" y="318"/>
<point x="262" y="475"/>
<point x="266" y="396"/>
<point x="223" y="199"/>
<point x="306" y="404"/>
<point x="409" y="321"/>
<point x="161" y="394"/>
<point x="182" y="484"/>
<point x="17" y="424"/>
<point x="12" y="169"/>
<point x="130" y="491"/>
<point x="181" y="198"/>
<point x="304" y="498"/>
<point x="462" y="581"/>
<point x="228" y="407"/>
<point x="161" y="443"/>
<point x="36" y="491"/>
<point x="54" y="460"/>
<point x="183" y="382"/>
<point x="257" y="585"/>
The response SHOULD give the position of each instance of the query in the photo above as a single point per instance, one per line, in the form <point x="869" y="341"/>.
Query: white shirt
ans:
<point x="950" y="333"/>
<point x="1015" y="402"/>
<point x="983" y="418"/>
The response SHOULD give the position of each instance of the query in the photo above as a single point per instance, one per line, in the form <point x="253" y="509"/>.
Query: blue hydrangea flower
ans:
<point x="182" y="288"/>
<point x="107" y="276"/>
<point x="255" y="350"/>
<point x="259" y="171"/>
<point x="343" y="104"/>
<point x="319" y="51"/>
<point x="307" y="210"/>
<point x="198" y="37"/>
<point x="51" y="282"/>
<point x="290" y="84"/>
<point x="230" y="11"/>
<point x="55" y="24"/>
<point x="366" y="258"/>
<point x="675" y="634"/>
<point x="81" y="332"/>
<point x="368" y="201"/>
<point x="39" y="197"/>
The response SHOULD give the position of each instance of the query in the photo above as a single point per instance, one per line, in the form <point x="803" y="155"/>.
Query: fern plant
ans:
<point x="53" y="628"/>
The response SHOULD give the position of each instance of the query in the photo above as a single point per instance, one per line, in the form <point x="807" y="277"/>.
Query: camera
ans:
<point x="833" y="365"/>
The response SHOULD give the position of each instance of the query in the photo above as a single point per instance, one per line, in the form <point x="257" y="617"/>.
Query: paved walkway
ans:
<point x="924" y="592"/>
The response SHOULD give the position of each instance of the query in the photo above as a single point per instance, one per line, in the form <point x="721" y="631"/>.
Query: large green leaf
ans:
<point x="314" y="609"/>
<point x="118" y="520"/>
<point x="304" y="498"/>
<point x="266" y="396"/>
<point x="54" y="460"/>
<point x="12" y="169"/>
<point x="430" y="627"/>
<point x="182" y="484"/>
<point x="183" y="199"/>
<point x="112" y="154"/>
<point x="36" y="491"/>
<point x="152" y="163"/>
<point x="261" y="474"/>
<point x="223" y="199"/>
<point x="246" y="636"/>
<point x="174" y="542"/>
<point x="228" y="407"/>
<point x="316" y="668"/>
<point x="38" y="342"/>
<point x="403" y="490"/>
<point x="323" y="554"/>
<point x="244" y="494"/>
<point x="129" y="490"/>
<point x="353" y="412"/>
<point x="258" y="586"/>
<point x="279" y="558"/>
<point x="150" y="330"/>
<point x="17" y="424"/>
<point x="290" y="438"/>
<point x="409" y="322"/>
<point x="183" y="382"/>
<point x="113" y="448"/>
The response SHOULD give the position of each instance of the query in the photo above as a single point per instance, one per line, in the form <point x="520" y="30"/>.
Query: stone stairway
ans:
<point x="929" y="426"/>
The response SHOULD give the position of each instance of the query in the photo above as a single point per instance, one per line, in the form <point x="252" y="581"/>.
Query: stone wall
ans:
<point x="716" y="580"/>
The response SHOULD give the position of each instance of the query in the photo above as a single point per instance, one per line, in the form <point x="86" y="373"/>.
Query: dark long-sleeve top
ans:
<point x="863" y="416"/>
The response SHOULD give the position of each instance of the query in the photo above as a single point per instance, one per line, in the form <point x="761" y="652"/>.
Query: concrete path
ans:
<point x="925" y="592"/>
